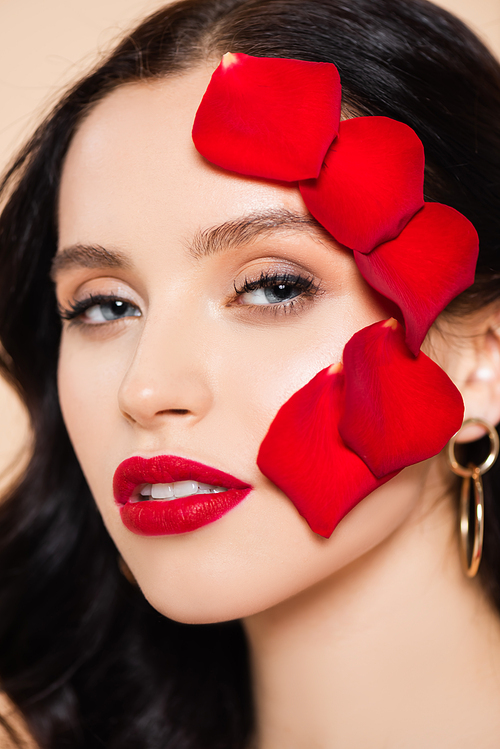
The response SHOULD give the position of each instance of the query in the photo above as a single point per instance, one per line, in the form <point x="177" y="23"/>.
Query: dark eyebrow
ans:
<point x="87" y="256"/>
<point x="243" y="231"/>
<point x="226" y="236"/>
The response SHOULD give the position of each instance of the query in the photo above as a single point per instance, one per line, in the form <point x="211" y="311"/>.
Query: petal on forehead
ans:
<point x="398" y="409"/>
<point x="270" y="118"/>
<point x="371" y="183"/>
<point x="429" y="264"/>
<point x="304" y="455"/>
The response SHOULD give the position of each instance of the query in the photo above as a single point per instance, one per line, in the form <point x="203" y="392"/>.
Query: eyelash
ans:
<point x="75" y="309"/>
<point x="305" y="285"/>
<point x="267" y="279"/>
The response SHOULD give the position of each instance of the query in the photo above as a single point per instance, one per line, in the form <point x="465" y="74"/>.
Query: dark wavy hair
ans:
<point x="86" y="659"/>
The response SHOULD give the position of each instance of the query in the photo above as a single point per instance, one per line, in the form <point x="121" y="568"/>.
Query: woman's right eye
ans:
<point x="97" y="310"/>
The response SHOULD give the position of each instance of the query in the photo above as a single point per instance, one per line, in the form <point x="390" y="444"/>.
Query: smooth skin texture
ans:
<point x="354" y="638"/>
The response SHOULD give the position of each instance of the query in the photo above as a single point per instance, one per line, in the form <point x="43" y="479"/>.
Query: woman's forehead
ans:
<point x="132" y="168"/>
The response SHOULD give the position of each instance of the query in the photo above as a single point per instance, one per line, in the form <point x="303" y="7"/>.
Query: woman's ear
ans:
<point x="468" y="348"/>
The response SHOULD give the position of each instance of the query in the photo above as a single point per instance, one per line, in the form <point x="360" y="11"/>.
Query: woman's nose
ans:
<point x="167" y="376"/>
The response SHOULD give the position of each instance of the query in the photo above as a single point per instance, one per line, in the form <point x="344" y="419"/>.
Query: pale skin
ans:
<point x="372" y="638"/>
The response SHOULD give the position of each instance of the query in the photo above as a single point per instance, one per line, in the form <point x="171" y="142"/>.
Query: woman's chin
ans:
<point x="259" y="557"/>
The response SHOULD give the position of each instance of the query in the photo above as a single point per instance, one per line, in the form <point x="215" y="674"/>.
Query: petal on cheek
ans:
<point x="371" y="183"/>
<point x="305" y="457"/>
<point x="271" y="118"/>
<point x="429" y="264"/>
<point x="398" y="409"/>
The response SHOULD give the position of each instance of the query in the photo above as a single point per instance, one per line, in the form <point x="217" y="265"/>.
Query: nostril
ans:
<point x="147" y="393"/>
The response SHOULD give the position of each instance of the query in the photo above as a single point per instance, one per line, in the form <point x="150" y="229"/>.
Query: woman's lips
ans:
<point x="156" y="517"/>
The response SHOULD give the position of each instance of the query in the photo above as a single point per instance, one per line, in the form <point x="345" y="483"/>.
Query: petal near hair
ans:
<point x="269" y="117"/>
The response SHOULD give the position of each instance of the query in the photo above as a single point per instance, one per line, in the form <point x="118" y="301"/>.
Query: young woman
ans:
<point x="225" y="537"/>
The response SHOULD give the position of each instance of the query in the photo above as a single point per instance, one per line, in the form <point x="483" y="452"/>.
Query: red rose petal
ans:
<point x="371" y="183"/>
<point x="422" y="270"/>
<point x="305" y="457"/>
<point x="398" y="410"/>
<point x="269" y="117"/>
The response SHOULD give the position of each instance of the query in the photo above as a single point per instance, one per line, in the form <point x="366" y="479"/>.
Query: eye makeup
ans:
<point x="111" y="309"/>
<point x="271" y="291"/>
<point x="278" y="290"/>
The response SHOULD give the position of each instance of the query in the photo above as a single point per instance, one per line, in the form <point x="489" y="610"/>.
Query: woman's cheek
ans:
<point x="88" y="383"/>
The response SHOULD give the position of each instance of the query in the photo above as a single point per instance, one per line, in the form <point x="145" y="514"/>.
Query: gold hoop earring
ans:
<point x="471" y="471"/>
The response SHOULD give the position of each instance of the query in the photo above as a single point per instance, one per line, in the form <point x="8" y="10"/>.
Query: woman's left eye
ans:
<point x="97" y="310"/>
<point x="275" y="289"/>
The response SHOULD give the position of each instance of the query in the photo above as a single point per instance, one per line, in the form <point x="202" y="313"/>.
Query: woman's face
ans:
<point x="195" y="358"/>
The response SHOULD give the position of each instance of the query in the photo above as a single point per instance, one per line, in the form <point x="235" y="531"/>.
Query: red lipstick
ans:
<point x="163" y="517"/>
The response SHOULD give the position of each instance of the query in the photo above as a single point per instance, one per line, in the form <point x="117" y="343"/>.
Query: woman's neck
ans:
<point x="398" y="649"/>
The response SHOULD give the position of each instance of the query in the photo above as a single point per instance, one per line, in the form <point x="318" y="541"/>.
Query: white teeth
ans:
<point x="161" y="491"/>
<point x="178" y="489"/>
<point x="185" y="488"/>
